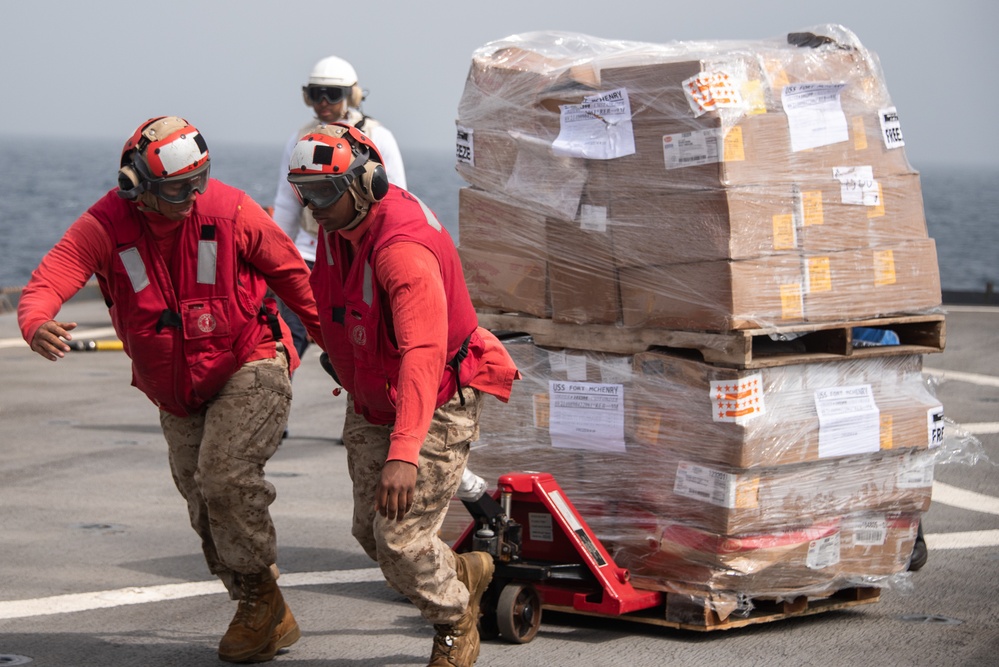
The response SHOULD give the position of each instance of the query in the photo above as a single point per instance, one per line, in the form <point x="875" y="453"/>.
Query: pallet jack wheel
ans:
<point x="518" y="613"/>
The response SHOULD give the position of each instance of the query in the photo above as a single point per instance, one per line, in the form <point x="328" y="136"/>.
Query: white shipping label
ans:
<point x="869" y="531"/>
<point x="916" y="473"/>
<point x="557" y="361"/>
<point x="592" y="218"/>
<point x="857" y="185"/>
<point x="465" y="146"/>
<point x="849" y="421"/>
<point x="823" y="552"/>
<point x="814" y="114"/>
<point x="891" y="129"/>
<point x="575" y="367"/>
<point x="705" y="484"/>
<point x="689" y="149"/>
<point x="587" y="415"/>
<point x="710" y="91"/>
<point x="935" y="424"/>
<point x="599" y="128"/>
<point x="737" y="400"/>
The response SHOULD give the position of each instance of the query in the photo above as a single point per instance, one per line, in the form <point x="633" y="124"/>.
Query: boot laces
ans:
<point x="248" y="603"/>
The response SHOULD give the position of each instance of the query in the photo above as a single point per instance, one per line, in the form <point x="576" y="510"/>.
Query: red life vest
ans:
<point x="354" y="310"/>
<point x="189" y="326"/>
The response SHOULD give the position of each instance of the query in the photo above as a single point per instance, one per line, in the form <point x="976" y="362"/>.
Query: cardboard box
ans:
<point x="757" y="73"/>
<point x="732" y="501"/>
<point x="877" y="544"/>
<point x="491" y="221"/>
<point x="683" y="226"/>
<point x="509" y="82"/>
<point x="506" y="282"/>
<point x="714" y="296"/>
<point x="831" y="219"/>
<point x="872" y="282"/>
<point x="857" y="549"/>
<point x="651" y="228"/>
<point x="491" y="158"/>
<point x="795" y="561"/>
<point x="525" y="169"/>
<point x="711" y="152"/>
<point x="770" y="416"/>
<point x="780" y="290"/>
<point x="670" y="470"/>
<point x="584" y="285"/>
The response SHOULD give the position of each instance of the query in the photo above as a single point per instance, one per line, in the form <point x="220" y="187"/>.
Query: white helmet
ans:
<point x="335" y="80"/>
<point x="333" y="71"/>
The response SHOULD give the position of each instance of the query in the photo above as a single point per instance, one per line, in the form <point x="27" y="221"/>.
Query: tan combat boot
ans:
<point x="261" y="609"/>
<point x="458" y="645"/>
<point x="285" y="634"/>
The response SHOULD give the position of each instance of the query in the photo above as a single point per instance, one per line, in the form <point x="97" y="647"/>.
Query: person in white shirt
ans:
<point x="335" y="97"/>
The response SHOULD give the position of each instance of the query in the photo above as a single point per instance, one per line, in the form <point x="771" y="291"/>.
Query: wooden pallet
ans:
<point x="744" y="348"/>
<point x="691" y="612"/>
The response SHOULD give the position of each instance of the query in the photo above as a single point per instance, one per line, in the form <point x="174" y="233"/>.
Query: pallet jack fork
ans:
<point x="545" y="555"/>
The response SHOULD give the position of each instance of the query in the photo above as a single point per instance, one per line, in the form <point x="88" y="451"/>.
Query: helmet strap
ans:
<point x="149" y="202"/>
<point x="361" y="206"/>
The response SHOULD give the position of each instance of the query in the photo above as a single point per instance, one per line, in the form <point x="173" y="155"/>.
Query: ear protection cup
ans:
<point x="373" y="182"/>
<point x="129" y="184"/>
<point x="355" y="97"/>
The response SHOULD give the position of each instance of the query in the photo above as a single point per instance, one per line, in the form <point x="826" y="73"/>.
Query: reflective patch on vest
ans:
<point x="329" y="250"/>
<point x="431" y="218"/>
<point x="135" y="268"/>
<point x="369" y="288"/>
<point x="359" y="335"/>
<point x="208" y="252"/>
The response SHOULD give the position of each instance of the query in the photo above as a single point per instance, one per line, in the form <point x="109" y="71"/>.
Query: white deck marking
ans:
<point x="946" y="494"/>
<point x="66" y="604"/>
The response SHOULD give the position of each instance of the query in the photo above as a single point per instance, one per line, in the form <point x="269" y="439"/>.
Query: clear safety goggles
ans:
<point x="179" y="190"/>
<point x="321" y="192"/>
<point x="332" y="94"/>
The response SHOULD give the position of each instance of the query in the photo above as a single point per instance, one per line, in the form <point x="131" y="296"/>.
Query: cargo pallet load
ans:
<point x="710" y="262"/>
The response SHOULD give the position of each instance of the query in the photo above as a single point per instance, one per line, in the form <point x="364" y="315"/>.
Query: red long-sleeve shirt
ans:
<point x="86" y="249"/>
<point x="410" y="275"/>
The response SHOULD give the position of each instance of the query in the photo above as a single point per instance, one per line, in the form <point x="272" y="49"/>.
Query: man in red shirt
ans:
<point x="184" y="262"/>
<point x="404" y="341"/>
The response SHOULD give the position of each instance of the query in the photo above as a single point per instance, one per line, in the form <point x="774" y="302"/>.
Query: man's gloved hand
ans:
<point x="324" y="361"/>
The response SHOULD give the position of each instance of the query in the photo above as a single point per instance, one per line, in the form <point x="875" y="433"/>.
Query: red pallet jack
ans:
<point x="545" y="555"/>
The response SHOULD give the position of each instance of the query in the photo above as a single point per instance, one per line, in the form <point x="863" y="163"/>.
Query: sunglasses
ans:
<point x="324" y="192"/>
<point x="332" y="94"/>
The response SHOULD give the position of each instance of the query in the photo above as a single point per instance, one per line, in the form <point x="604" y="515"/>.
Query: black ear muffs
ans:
<point x="130" y="185"/>
<point x="373" y="182"/>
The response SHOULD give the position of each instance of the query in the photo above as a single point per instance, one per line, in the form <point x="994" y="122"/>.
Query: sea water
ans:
<point x="45" y="184"/>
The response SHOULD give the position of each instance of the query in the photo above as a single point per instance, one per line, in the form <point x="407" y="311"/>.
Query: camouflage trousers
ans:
<point x="413" y="559"/>
<point x="217" y="460"/>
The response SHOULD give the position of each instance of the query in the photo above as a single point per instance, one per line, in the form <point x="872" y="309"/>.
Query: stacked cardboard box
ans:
<point x="680" y="466"/>
<point x="704" y="186"/>
<point x="707" y="186"/>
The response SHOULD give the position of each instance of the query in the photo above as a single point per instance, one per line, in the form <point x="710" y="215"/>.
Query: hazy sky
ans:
<point x="234" y="68"/>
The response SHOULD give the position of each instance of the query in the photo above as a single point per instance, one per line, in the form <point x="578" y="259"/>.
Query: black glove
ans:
<point x="324" y="361"/>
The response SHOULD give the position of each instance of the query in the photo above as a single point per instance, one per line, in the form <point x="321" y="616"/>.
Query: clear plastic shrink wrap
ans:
<point x="808" y="478"/>
<point x="690" y="185"/>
